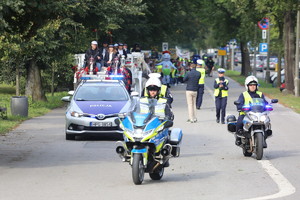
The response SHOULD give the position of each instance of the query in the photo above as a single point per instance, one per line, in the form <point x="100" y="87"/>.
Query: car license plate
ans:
<point x="101" y="124"/>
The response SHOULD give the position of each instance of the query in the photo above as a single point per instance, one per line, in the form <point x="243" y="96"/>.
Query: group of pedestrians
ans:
<point x="195" y="80"/>
<point x="105" y="56"/>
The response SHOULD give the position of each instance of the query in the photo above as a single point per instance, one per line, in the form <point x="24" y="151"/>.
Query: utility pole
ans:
<point x="296" y="80"/>
<point x="254" y="61"/>
<point x="268" y="55"/>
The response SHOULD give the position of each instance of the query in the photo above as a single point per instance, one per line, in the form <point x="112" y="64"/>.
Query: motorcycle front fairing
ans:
<point x="143" y="133"/>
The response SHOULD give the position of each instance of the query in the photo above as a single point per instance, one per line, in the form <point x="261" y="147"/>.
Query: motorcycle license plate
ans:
<point x="100" y="124"/>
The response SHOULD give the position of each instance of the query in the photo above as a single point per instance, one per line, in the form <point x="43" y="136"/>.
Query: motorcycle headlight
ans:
<point x="138" y="133"/>
<point x="254" y="118"/>
<point x="76" y="114"/>
<point x="263" y="118"/>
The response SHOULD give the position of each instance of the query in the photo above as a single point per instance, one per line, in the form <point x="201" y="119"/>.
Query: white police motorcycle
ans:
<point x="148" y="143"/>
<point x="256" y="126"/>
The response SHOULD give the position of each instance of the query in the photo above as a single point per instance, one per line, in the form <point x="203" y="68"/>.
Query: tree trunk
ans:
<point x="289" y="50"/>
<point x="246" y="68"/>
<point x="279" y="70"/>
<point x="34" y="82"/>
<point x="17" y="79"/>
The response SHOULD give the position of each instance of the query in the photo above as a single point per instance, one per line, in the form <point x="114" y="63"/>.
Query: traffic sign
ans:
<point x="264" y="34"/>
<point x="165" y="46"/>
<point x="263" y="48"/>
<point x="263" y="24"/>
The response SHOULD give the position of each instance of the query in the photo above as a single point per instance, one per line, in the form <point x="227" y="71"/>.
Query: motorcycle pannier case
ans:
<point x="175" y="136"/>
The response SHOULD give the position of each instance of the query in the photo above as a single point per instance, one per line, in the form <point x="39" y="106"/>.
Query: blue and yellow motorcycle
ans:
<point x="148" y="144"/>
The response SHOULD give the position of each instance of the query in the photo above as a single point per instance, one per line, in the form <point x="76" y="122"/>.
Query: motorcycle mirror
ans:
<point x="274" y="101"/>
<point x="237" y="103"/>
<point x="168" y="124"/>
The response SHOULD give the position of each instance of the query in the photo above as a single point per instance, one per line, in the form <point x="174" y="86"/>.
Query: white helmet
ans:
<point x="153" y="81"/>
<point x="250" y="79"/>
<point x="154" y="75"/>
<point x="200" y="62"/>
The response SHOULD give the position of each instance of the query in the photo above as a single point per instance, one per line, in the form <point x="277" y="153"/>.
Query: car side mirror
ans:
<point x="134" y="94"/>
<point x="168" y="124"/>
<point x="274" y="101"/>
<point x="66" y="99"/>
<point x="237" y="103"/>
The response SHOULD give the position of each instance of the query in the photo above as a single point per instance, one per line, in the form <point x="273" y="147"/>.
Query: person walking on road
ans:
<point x="200" y="91"/>
<point x="192" y="79"/>
<point x="221" y="93"/>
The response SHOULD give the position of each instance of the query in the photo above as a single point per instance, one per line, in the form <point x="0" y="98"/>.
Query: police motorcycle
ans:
<point x="148" y="143"/>
<point x="256" y="126"/>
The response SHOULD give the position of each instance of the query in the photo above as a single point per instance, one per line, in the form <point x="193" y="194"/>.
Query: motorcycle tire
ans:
<point x="138" y="169"/>
<point x="259" y="149"/>
<point x="246" y="153"/>
<point x="157" y="174"/>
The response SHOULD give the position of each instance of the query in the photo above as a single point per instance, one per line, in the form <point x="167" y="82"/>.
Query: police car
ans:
<point x="94" y="106"/>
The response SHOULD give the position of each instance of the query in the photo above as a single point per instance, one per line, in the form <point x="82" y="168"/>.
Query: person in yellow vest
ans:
<point x="162" y="108"/>
<point x="221" y="93"/>
<point x="154" y="79"/>
<point x="251" y="85"/>
<point x="200" y="68"/>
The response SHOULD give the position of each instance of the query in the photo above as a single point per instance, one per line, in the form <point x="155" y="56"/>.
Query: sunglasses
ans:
<point x="252" y="84"/>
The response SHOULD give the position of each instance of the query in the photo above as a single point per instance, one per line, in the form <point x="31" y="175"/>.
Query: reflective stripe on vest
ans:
<point x="162" y="91"/>
<point x="159" y="109"/>
<point x="202" y="71"/>
<point x="224" y="92"/>
<point x="248" y="99"/>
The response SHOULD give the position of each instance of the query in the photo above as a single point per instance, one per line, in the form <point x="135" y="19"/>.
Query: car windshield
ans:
<point x="101" y="93"/>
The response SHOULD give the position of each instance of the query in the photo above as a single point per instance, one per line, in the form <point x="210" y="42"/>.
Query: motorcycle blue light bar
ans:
<point x="246" y="108"/>
<point x="269" y="108"/>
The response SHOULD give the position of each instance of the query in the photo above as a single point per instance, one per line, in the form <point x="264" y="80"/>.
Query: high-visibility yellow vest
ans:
<point x="159" y="109"/>
<point x="248" y="99"/>
<point x="159" y="68"/>
<point x="162" y="92"/>
<point x="224" y="93"/>
<point x="202" y="78"/>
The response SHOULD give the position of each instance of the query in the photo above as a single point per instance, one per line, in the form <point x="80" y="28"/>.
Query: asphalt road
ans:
<point x="36" y="162"/>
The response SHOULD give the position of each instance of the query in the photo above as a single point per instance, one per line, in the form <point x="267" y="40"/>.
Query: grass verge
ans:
<point x="34" y="108"/>
<point x="287" y="100"/>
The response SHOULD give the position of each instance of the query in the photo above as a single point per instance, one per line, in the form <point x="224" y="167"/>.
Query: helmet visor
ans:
<point x="153" y="88"/>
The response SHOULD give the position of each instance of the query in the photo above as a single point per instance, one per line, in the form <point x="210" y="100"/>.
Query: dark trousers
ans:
<point x="200" y="93"/>
<point x="239" y="123"/>
<point x="221" y="103"/>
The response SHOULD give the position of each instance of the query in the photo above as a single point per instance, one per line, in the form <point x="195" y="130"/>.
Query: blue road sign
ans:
<point x="263" y="48"/>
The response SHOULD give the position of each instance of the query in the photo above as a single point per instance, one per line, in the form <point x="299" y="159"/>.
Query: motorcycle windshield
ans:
<point x="140" y="119"/>
<point x="258" y="105"/>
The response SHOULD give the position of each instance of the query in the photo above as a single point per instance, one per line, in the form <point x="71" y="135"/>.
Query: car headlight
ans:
<point x="263" y="118"/>
<point x="76" y="114"/>
<point x="254" y="118"/>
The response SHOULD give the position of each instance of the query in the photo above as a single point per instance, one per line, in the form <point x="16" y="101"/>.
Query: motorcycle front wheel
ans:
<point x="157" y="174"/>
<point x="138" y="170"/>
<point x="259" y="149"/>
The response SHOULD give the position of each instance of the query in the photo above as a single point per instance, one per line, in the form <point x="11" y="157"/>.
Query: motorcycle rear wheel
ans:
<point x="157" y="174"/>
<point x="138" y="170"/>
<point x="259" y="149"/>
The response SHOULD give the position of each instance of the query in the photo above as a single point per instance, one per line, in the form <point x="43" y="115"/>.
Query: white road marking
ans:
<point x="284" y="186"/>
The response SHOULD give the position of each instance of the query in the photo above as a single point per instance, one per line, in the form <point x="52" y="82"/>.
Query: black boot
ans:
<point x="238" y="141"/>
